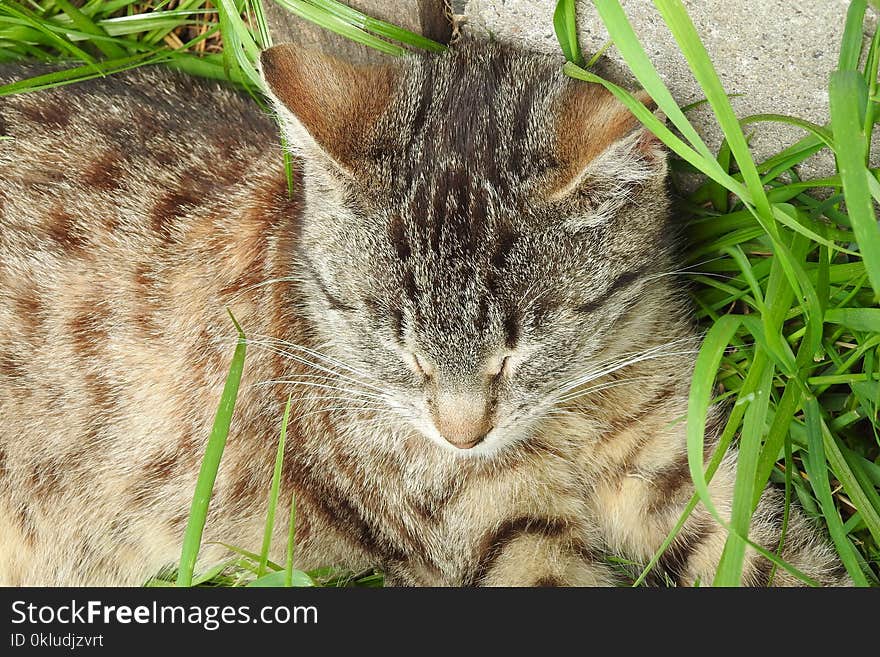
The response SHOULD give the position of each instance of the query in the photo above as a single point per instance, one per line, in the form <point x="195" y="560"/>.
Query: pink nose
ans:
<point x="464" y="437"/>
<point x="460" y="421"/>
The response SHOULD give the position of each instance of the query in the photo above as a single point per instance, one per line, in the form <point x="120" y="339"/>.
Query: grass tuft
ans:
<point x="198" y="515"/>
<point x="784" y="280"/>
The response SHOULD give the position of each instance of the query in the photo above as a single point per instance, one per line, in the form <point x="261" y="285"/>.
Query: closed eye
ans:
<point x="332" y="300"/>
<point x="421" y="365"/>
<point x="622" y="282"/>
<point x="503" y="369"/>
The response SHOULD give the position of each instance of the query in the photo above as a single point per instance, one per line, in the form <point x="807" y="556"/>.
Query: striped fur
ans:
<point x="470" y="227"/>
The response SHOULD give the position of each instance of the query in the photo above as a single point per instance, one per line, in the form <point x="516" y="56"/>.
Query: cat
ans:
<point x="465" y="295"/>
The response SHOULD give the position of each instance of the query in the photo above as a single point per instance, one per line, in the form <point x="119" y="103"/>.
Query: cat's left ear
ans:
<point x="327" y="107"/>
<point x="602" y="148"/>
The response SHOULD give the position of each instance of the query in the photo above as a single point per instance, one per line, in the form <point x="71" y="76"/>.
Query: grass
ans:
<point x="787" y="293"/>
<point x="784" y="272"/>
<point x="219" y="40"/>
<point x="195" y="526"/>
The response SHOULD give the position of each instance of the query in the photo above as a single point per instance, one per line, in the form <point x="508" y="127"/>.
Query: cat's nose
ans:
<point x="463" y="421"/>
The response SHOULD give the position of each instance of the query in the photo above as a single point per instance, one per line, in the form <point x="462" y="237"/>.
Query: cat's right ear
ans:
<point x="327" y="107"/>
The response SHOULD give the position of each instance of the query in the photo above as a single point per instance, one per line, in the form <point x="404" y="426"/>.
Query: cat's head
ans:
<point x="478" y="228"/>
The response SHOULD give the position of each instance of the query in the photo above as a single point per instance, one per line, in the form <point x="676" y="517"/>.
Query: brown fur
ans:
<point x="337" y="102"/>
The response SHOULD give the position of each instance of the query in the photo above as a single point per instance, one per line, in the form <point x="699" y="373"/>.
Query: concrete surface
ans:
<point x="777" y="53"/>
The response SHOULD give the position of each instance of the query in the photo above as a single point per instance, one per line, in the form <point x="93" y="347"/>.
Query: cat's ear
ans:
<point x="327" y="106"/>
<point x="602" y="148"/>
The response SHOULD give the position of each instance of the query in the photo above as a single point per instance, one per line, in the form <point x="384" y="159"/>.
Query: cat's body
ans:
<point x="134" y="210"/>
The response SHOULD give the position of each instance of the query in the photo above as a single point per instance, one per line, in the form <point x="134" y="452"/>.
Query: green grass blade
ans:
<point x="790" y="157"/>
<point x="380" y="27"/>
<point x="685" y="34"/>
<point x="858" y="466"/>
<point x="273" y="492"/>
<point x="329" y="21"/>
<point x="871" y="68"/>
<point x="168" y="19"/>
<point x="85" y="24"/>
<point x="745" y="266"/>
<point x="239" y="45"/>
<point x="702" y="383"/>
<point x="156" y="36"/>
<point x="817" y="470"/>
<point x="291" y="541"/>
<point x="847" y="96"/>
<point x="873" y="186"/>
<point x="627" y="43"/>
<point x="62" y="44"/>
<point x="70" y="75"/>
<point x="251" y="557"/>
<point x="598" y="54"/>
<point x="279" y="578"/>
<point x="786" y="511"/>
<point x="821" y="133"/>
<point x="724" y="441"/>
<point x="716" y="193"/>
<point x="209" y="66"/>
<point x="256" y="7"/>
<point x="851" y="43"/>
<point x="175" y="58"/>
<point x="850" y="483"/>
<point x="211" y="573"/>
<point x="565" y="25"/>
<point x="857" y="319"/>
<point x="211" y="463"/>
<point x="732" y="558"/>
<point x="715" y="342"/>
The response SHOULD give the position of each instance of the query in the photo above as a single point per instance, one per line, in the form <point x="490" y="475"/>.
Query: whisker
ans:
<point x="601" y="368"/>
<point x="632" y="361"/>
<point x="324" y="386"/>
<point x="318" y="354"/>
<point x="322" y="398"/>
<point x="710" y="274"/>
<point x="271" y="281"/>
<point x="686" y="269"/>
<point x="335" y="408"/>
<point x="318" y="366"/>
<point x="601" y="386"/>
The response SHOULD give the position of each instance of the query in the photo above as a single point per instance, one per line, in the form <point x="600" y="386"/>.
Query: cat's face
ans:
<point x="477" y="226"/>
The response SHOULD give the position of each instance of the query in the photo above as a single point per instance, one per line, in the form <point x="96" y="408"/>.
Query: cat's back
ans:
<point x="149" y="101"/>
<point x="133" y="210"/>
<point x="98" y="175"/>
<point x="124" y="136"/>
<point x="113" y="195"/>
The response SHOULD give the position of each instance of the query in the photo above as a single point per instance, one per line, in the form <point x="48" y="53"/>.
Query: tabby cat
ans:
<point x="466" y="294"/>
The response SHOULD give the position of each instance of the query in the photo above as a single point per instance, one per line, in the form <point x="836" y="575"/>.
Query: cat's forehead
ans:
<point x="462" y="150"/>
<point x="478" y="118"/>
